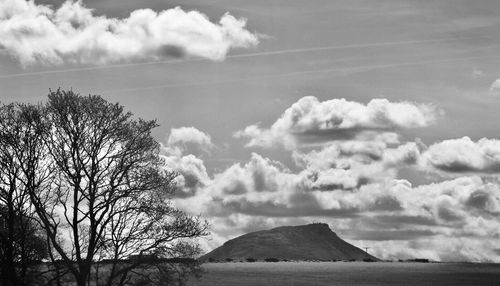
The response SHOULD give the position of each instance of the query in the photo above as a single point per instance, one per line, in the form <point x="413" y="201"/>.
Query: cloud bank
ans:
<point x="337" y="119"/>
<point x="348" y="175"/>
<point x="363" y="200"/>
<point x="39" y="34"/>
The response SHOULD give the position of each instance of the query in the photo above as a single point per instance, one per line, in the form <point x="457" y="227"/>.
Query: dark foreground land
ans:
<point x="348" y="273"/>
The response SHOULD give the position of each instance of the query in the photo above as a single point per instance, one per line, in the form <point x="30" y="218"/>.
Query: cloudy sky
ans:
<point x="379" y="118"/>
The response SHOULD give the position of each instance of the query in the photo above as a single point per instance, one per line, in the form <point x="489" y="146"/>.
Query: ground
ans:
<point x="348" y="273"/>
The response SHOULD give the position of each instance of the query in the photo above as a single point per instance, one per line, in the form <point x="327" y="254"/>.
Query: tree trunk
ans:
<point x="10" y="267"/>
<point x="83" y="275"/>
<point x="81" y="280"/>
<point x="10" y="274"/>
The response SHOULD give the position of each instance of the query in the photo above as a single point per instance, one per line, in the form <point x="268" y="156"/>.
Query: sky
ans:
<point x="379" y="118"/>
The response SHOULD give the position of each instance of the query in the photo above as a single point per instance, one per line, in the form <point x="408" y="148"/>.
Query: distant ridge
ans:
<point x="305" y="242"/>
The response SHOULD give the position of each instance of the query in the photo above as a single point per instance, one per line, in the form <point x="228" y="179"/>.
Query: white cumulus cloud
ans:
<point x="178" y="155"/>
<point x="34" y="33"/>
<point x="188" y="139"/>
<point x="337" y="119"/>
<point x="495" y="87"/>
<point x="464" y="155"/>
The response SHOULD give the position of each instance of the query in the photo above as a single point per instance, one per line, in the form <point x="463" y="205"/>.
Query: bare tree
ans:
<point x="109" y="191"/>
<point x="151" y="227"/>
<point x="21" y="151"/>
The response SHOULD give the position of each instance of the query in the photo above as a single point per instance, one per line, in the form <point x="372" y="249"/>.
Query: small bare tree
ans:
<point x="109" y="191"/>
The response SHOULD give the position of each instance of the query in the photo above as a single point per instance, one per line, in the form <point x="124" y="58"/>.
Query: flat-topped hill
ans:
<point x="305" y="242"/>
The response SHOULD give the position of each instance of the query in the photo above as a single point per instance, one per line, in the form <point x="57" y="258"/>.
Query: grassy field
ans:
<point x="348" y="273"/>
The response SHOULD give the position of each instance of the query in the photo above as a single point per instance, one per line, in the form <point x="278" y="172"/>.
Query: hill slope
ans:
<point x="306" y="242"/>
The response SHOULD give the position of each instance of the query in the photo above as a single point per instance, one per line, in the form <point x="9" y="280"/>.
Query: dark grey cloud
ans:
<point x="328" y="187"/>
<point x="387" y="203"/>
<point x="174" y="51"/>
<point x="480" y="200"/>
<point x="447" y="213"/>
<point x="400" y="220"/>
<point x="235" y="188"/>
<point x="385" y="235"/>
<point x="307" y="207"/>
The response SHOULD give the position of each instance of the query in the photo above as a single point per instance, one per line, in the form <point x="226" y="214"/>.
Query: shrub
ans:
<point x="251" y="259"/>
<point x="271" y="259"/>
<point x="229" y="259"/>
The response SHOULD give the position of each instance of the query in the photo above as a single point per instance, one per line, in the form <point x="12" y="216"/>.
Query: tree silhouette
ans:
<point x="92" y="177"/>
<point x="21" y="242"/>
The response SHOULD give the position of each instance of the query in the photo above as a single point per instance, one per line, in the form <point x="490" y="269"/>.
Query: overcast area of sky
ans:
<point x="269" y="140"/>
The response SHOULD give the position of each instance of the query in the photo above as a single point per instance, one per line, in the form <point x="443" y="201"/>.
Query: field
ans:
<point x="348" y="273"/>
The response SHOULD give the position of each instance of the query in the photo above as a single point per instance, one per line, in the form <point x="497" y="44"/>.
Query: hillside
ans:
<point x="306" y="242"/>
